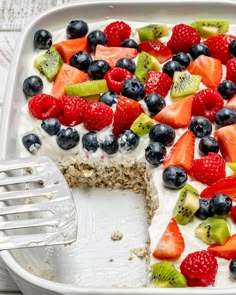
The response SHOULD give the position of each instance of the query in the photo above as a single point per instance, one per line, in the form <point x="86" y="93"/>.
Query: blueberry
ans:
<point x="42" y="39"/>
<point x="208" y="144"/>
<point x="227" y="89"/>
<point x="67" y="138"/>
<point x="232" y="268"/>
<point x="81" y="60"/>
<point x="220" y="204"/>
<point x="126" y="63"/>
<point x="155" y="153"/>
<point x="133" y="88"/>
<point x="109" y="144"/>
<point x="109" y="98"/>
<point x="31" y="142"/>
<point x="204" y="209"/>
<point x="155" y="103"/>
<point x="171" y="67"/>
<point x="225" y="116"/>
<point x="51" y="126"/>
<point x="90" y="141"/>
<point x="32" y="85"/>
<point x="128" y="141"/>
<point x="162" y="133"/>
<point x="129" y="43"/>
<point x="200" y="126"/>
<point x="182" y="58"/>
<point x="76" y="29"/>
<point x="174" y="177"/>
<point x="199" y="49"/>
<point x="96" y="37"/>
<point x="232" y="48"/>
<point x="97" y="69"/>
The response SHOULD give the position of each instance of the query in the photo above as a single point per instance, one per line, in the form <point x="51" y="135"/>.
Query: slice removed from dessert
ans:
<point x="207" y="28"/>
<point x="142" y="125"/>
<point x="186" y="205"/>
<point x="87" y="88"/>
<point x="213" y="230"/>
<point x="153" y="32"/>
<point x="165" y="275"/>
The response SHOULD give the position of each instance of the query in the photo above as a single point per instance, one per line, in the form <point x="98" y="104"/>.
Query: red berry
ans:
<point x="209" y="169"/>
<point x="199" y="268"/>
<point x="71" y="110"/>
<point x="97" y="115"/>
<point x="44" y="106"/>
<point x="158" y="82"/>
<point x="115" y="78"/>
<point x="207" y="103"/>
<point x="233" y="213"/>
<point x="231" y="70"/>
<point x="183" y="38"/>
<point x="117" y="32"/>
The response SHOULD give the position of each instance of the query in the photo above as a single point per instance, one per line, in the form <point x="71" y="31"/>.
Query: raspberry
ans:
<point x="231" y="70"/>
<point x="71" y="110"/>
<point x="115" y="78"/>
<point x="117" y="32"/>
<point x="97" y="115"/>
<point x="207" y="103"/>
<point x="43" y="106"/>
<point x="209" y="169"/>
<point x="183" y="38"/>
<point x="199" y="268"/>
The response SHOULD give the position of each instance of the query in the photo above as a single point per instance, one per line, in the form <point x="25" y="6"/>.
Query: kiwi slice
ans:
<point x="49" y="63"/>
<point x="146" y="63"/>
<point x="142" y="125"/>
<point x="186" y="205"/>
<point x="184" y="84"/>
<point x="213" y="230"/>
<point x="153" y="32"/>
<point x="165" y="275"/>
<point x="87" y="88"/>
<point x="207" y="28"/>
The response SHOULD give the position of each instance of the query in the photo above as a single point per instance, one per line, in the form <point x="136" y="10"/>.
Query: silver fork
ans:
<point x="38" y="208"/>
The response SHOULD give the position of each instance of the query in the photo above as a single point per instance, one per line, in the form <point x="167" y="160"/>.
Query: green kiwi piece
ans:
<point x="49" y="63"/>
<point x="146" y="63"/>
<point x="184" y="84"/>
<point x="142" y="125"/>
<point x="87" y="88"/>
<point x="153" y="32"/>
<point x="186" y="205"/>
<point x="165" y="275"/>
<point x="208" y="28"/>
<point x="213" y="230"/>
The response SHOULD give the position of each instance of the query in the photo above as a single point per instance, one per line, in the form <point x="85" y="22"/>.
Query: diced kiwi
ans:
<point x="146" y="63"/>
<point x="165" y="275"/>
<point x="87" y="88"/>
<point x="207" y="28"/>
<point x="186" y="205"/>
<point x="142" y="125"/>
<point x="49" y="63"/>
<point x="232" y="166"/>
<point x="213" y="230"/>
<point x="184" y="84"/>
<point x="153" y="32"/>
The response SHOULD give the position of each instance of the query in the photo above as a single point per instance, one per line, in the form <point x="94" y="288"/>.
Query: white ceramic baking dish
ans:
<point x="94" y="264"/>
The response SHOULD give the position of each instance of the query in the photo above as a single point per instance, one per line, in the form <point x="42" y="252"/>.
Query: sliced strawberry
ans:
<point x="171" y="244"/>
<point x="182" y="152"/>
<point x="227" y="251"/>
<point x="226" y="138"/>
<point x="225" y="186"/>
<point x="113" y="54"/>
<point x="70" y="47"/>
<point x="158" y="82"/>
<point x="157" y="49"/>
<point x="178" y="114"/>
<point x="219" y="46"/>
<point x="127" y="110"/>
<point x="232" y="103"/>
<point x="210" y="69"/>
<point x="67" y="75"/>
<point x="231" y="69"/>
